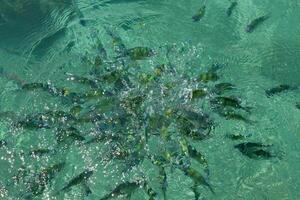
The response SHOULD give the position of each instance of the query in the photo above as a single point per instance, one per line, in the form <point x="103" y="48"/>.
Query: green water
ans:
<point x="41" y="41"/>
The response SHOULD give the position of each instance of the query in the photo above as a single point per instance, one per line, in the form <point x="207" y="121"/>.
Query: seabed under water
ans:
<point x="147" y="99"/>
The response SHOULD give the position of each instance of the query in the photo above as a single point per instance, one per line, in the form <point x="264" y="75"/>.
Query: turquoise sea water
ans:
<point x="142" y="112"/>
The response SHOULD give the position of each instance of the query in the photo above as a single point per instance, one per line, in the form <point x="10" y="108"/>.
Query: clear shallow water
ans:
<point x="43" y="41"/>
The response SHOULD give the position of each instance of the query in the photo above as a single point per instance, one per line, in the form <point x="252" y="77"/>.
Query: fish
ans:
<point x="233" y="102"/>
<point x="159" y="69"/>
<point x="163" y="181"/>
<point x="96" y="66"/>
<point x="95" y="94"/>
<point x="45" y="120"/>
<point x="220" y="88"/>
<point x="200" y="14"/>
<point x="231" y="114"/>
<point x="237" y="136"/>
<point x="3" y="143"/>
<point x="231" y="8"/>
<point x="298" y="105"/>
<point x="37" y="85"/>
<point x="199" y="157"/>
<point x="118" y="44"/>
<point x="208" y="76"/>
<point x="133" y="103"/>
<point x="9" y="115"/>
<point x="139" y="53"/>
<point x="75" y="110"/>
<point x="197" y="178"/>
<point x="39" y="152"/>
<point x="32" y="124"/>
<point x="151" y="193"/>
<point x="198" y="93"/>
<point x="81" y="178"/>
<point x="82" y="80"/>
<point x="39" y="183"/>
<point x="193" y="124"/>
<point x="255" y="150"/>
<point x="256" y="22"/>
<point x="125" y="188"/>
<point x="279" y="89"/>
<point x="69" y="46"/>
<point x="87" y="189"/>
<point x="64" y="93"/>
<point x="63" y="133"/>
<point x="20" y="174"/>
<point x="12" y="76"/>
<point x="189" y="150"/>
<point x="211" y="74"/>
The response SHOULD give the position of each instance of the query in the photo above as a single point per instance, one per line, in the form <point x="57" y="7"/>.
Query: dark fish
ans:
<point x="96" y="66"/>
<point x="75" y="110"/>
<point x="71" y="97"/>
<point x="9" y="115"/>
<point x="33" y="86"/>
<point x="32" y="123"/>
<point x="43" y="46"/>
<point x="231" y="114"/>
<point x="208" y="76"/>
<point x="3" y="143"/>
<point x="140" y="53"/>
<point x="20" y="175"/>
<point x="278" y="89"/>
<point x="256" y="22"/>
<point x="67" y="96"/>
<point x="81" y="178"/>
<point x="47" y="87"/>
<point x="163" y="181"/>
<point x="133" y="103"/>
<point x="298" y="105"/>
<point x="125" y="188"/>
<point x="151" y="193"/>
<point x="101" y="57"/>
<point x="57" y="115"/>
<point x="229" y="102"/>
<point x="82" y="80"/>
<point x="200" y="14"/>
<point x="198" y="93"/>
<point x="70" y="132"/>
<point x="97" y="63"/>
<point x="189" y="150"/>
<point x="118" y="43"/>
<point x="220" y="88"/>
<point x="111" y="76"/>
<point x="197" y="178"/>
<point x="11" y="76"/>
<point x="237" y="136"/>
<point x="101" y="50"/>
<point x="39" y="152"/>
<point x="255" y="150"/>
<point x="69" y="46"/>
<point x="45" y="120"/>
<point x="87" y="189"/>
<point x="211" y="74"/>
<point x="96" y="93"/>
<point x="231" y="8"/>
<point x="193" y="124"/>
<point x="199" y="157"/>
<point x="159" y="69"/>
<point x="39" y="183"/>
